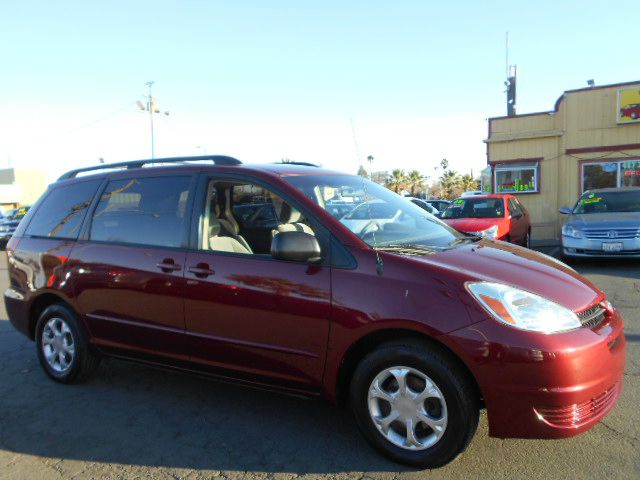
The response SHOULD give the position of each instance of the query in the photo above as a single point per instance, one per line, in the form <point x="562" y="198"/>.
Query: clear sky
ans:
<point x="415" y="80"/>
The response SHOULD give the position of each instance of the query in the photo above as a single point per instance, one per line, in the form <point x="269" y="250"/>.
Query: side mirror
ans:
<point x="295" y="247"/>
<point x="566" y="211"/>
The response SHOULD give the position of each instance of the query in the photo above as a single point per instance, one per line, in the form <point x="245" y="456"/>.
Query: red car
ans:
<point x="632" y="110"/>
<point x="241" y="272"/>
<point x="501" y="217"/>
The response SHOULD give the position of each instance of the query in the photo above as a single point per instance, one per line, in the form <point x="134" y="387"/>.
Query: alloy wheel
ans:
<point x="58" y="345"/>
<point x="407" y="408"/>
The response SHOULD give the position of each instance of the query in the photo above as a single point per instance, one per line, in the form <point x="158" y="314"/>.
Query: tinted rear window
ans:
<point x="144" y="211"/>
<point x="62" y="211"/>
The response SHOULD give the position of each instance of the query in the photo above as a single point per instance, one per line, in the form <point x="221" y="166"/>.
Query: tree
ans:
<point x="362" y="172"/>
<point x="444" y="164"/>
<point x="450" y="183"/>
<point x="468" y="183"/>
<point x="415" y="182"/>
<point x="398" y="180"/>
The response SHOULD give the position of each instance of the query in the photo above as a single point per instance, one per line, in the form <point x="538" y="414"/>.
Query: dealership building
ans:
<point x="591" y="139"/>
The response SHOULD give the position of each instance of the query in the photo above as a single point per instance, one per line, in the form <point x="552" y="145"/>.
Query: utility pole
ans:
<point x="150" y="108"/>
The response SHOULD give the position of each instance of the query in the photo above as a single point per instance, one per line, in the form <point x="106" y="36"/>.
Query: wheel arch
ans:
<point x="38" y="305"/>
<point x="359" y="349"/>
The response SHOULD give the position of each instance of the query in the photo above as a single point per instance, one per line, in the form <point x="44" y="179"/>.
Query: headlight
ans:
<point x="571" y="231"/>
<point x="489" y="232"/>
<point x="523" y="310"/>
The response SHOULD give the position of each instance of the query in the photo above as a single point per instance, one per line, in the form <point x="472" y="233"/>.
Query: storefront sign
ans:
<point x="628" y="108"/>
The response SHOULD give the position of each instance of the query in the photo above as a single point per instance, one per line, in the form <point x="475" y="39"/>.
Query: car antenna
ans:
<point x="379" y="262"/>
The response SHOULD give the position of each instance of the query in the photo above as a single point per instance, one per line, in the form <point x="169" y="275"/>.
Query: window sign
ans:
<point x="516" y="178"/>
<point x="628" y="110"/>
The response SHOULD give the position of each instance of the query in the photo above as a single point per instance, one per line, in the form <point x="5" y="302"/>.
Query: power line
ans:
<point x="99" y="119"/>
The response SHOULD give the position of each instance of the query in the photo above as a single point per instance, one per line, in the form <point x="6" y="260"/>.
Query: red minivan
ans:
<point x="502" y="217"/>
<point x="242" y="272"/>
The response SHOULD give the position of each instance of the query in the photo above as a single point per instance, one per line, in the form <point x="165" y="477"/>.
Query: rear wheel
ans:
<point x="63" y="349"/>
<point x="527" y="240"/>
<point x="414" y="404"/>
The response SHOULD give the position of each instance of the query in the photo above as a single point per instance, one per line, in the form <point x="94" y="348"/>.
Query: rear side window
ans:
<point x="62" y="211"/>
<point x="143" y="211"/>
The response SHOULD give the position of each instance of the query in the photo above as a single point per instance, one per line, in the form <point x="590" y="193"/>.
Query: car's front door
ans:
<point x="266" y="320"/>
<point x="517" y="223"/>
<point x="129" y="268"/>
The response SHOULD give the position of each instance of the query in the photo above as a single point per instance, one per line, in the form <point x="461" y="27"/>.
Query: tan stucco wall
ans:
<point x="584" y="119"/>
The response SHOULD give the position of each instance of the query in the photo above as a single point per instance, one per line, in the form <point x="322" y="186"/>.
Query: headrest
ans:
<point x="288" y="214"/>
<point x="214" y="229"/>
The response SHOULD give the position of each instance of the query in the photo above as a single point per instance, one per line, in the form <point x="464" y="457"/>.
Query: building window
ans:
<point x="625" y="173"/>
<point x="517" y="178"/>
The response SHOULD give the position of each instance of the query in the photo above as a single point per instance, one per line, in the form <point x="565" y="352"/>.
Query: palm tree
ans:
<point x="397" y="181"/>
<point x="450" y="181"/>
<point x="468" y="183"/>
<point x="415" y="181"/>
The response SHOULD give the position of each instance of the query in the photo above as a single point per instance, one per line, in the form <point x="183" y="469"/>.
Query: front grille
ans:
<point x="578" y="414"/>
<point x="612" y="233"/>
<point x="592" y="317"/>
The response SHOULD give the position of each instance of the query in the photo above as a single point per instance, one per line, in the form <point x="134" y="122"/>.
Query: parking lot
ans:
<point x="134" y="421"/>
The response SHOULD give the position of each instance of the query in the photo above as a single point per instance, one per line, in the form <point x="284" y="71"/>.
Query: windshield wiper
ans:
<point x="408" y="249"/>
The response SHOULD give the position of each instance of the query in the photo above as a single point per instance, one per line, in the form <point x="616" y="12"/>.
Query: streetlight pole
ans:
<point x="150" y="107"/>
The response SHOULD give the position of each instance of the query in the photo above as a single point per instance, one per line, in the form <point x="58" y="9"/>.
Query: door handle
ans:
<point x="167" y="265"/>
<point x="201" y="270"/>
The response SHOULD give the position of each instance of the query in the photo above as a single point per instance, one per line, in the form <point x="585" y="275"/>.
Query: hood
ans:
<point x="605" y="220"/>
<point x="521" y="268"/>
<point x="472" y="224"/>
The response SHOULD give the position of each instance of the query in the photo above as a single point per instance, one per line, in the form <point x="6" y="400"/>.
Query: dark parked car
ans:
<point x="415" y="325"/>
<point x="9" y="223"/>
<point x="440" y="205"/>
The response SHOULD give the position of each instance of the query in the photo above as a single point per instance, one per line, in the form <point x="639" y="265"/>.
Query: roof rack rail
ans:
<point x="216" y="159"/>
<point x="304" y="164"/>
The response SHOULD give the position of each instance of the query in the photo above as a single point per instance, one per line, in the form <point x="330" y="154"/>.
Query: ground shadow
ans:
<point x="140" y="415"/>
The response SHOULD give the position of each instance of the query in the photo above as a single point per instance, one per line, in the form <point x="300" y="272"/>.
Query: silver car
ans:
<point x="604" y="223"/>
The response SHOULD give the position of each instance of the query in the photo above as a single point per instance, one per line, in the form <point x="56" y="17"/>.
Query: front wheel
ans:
<point x="414" y="403"/>
<point x="63" y="350"/>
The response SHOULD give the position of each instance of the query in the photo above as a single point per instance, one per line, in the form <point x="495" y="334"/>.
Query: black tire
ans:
<point x="507" y="238"/>
<point x="84" y="361"/>
<point x="450" y="378"/>
<point x="527" y="240"/>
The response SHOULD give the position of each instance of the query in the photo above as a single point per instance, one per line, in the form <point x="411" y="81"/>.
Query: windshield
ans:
<point x="475" y="208"/>
<point x="379" y="217"/>
<point x="601" y="202"/>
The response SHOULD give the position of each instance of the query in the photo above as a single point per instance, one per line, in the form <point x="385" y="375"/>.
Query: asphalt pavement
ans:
<point x="133" y="421"/>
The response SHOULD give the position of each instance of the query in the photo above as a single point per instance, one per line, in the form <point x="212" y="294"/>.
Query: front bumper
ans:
<point x="544" y="386"/>
<point x="588" y="247"/>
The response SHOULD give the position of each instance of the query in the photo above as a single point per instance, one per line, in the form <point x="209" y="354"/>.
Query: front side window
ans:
<point x="61" y="213"/>
<point x="475" y="208"/>
<point x="381" y="218"/>
<point x="517" y="178"/>
<point x="144" y="211"/>
<point x="244" y="217"/>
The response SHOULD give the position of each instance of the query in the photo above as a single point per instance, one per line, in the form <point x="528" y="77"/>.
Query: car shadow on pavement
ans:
<point x="140" y="415"/>
<point x="629" y="268"/>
